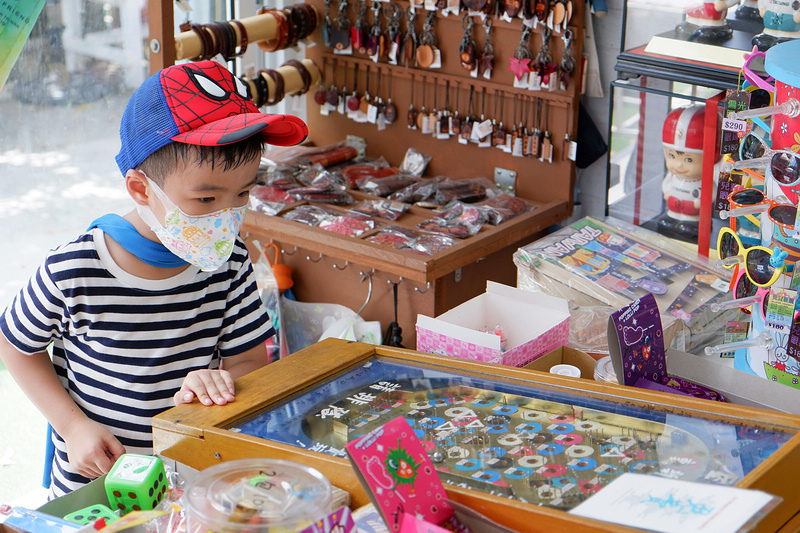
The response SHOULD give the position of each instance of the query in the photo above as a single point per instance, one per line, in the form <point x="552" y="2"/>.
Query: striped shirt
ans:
<point x="122" y="345"/>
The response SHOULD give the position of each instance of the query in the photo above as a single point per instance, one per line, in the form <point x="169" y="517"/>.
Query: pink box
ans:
<point x="533" y="323"/>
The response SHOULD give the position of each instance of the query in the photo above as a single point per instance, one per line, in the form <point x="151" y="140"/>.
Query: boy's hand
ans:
<point x="92" y="450"/>
<point x="209" y="386"/>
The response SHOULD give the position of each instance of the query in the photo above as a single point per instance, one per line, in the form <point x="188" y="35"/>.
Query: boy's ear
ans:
<point x="136" y="183"/>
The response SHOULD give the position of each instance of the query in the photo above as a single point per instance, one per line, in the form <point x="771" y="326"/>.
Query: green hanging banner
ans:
<point x="17" y="18"/>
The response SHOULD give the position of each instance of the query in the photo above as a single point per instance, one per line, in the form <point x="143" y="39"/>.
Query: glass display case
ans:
<point x="514" y="444"/>
<point x="662" y="71"/>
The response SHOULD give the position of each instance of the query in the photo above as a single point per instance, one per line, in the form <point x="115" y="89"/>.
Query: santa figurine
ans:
<point x="682" y="139"/>
<point x="781" y="23"/>
<point x="705" y="22"/>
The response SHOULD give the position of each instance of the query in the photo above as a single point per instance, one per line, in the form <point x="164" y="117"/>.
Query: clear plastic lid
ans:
<point x="259" y="492"/>
<point x="604" y="370"/>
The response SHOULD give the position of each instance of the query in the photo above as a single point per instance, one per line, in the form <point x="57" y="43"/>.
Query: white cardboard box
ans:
<point x="533" y="323"/>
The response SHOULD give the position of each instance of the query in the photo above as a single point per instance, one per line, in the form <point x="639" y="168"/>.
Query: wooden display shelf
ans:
<point x="200" y="436"/>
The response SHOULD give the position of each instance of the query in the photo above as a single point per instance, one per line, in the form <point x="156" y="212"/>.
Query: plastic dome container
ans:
<point x="604" y="370"/>
<point x="256" y="495"/>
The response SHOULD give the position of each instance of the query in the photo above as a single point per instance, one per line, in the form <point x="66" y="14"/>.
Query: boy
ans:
<point x="145" y="310"/>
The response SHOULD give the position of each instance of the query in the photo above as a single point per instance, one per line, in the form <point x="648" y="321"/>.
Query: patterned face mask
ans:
<point x="205" y="241"/>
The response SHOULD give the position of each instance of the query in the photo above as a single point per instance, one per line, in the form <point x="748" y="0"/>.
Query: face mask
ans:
<point x="205" y="241"/>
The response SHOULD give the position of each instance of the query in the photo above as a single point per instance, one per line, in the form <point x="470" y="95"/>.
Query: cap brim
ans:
<point x="278" y="130"/>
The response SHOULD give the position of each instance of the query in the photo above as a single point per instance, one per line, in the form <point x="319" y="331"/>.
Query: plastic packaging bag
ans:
<point x="306" y="323"/>
<point x="270" y="295"/>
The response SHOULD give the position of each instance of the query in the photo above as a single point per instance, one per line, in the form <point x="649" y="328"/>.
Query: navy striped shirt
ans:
<point x="122" y="345"/>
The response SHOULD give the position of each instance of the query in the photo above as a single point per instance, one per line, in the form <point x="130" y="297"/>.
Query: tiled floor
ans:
<point x="57" y="173"/>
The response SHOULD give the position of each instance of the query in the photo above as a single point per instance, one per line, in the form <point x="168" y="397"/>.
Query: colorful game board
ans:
<point x="538" y="446"/>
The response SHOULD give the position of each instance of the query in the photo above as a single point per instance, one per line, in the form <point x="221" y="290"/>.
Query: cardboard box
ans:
<point x="736" y="386"/>
<point x="534" y="324"/>
<point x="566" y="356"/>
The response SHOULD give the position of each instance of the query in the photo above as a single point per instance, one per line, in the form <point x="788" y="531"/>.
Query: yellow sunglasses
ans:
<point x="762" y="265"/>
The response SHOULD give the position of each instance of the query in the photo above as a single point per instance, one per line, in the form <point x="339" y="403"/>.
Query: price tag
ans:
<point x="793" y="344"/>
<point x="725" y="185"/>
<point x="738" y="126"/>
<point x="780" y="309"/>
<point x="732" y="130"/>
<point x="734" y="332"/>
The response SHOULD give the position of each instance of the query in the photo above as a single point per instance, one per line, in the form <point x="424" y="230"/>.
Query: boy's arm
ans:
<point x="92" y="449"/>
<point x="216" y="386"/>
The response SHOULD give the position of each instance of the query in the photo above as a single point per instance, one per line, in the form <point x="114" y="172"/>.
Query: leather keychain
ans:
<point x="547" y="146"/>
<point x="412" y="113"/>
<point x="455" y="122"/>
<point x="389" y="110"/>
<point x="366" y="100"/>
<point x="536" y="137"/>
<point x="332" y="95"/>
<point x="354" y="100"/>
<point x="426" y="51"/>
<point x="410" y="41"/>
<point x="375" y="33"/>
<point x="498" y="130"/>
<point x="340" y="31"/>
<point x="422" y="116"/>
<point x="466" y="49"/>
<point x="321" y="95"/>
<point x="486" y="61"/>
<point x="358" y="31"/>
<point x="327" y="25"/>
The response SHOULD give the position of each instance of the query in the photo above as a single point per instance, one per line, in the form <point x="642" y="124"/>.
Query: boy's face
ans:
<point x="688" y="165"/>
<point x="199" y="190"/>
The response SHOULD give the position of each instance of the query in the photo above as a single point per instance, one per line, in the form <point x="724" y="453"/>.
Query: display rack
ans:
<point x="334" y="268"/>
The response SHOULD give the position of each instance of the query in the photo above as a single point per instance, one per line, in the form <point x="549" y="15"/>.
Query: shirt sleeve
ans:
<point x="247" y="322"/>
<point x="37" y="314"/>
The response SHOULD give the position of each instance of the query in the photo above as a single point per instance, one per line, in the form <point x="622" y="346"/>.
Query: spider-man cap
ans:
<point x="199" y="103"/>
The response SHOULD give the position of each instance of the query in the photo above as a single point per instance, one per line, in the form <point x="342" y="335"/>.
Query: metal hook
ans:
<point x="369" y="291"/>
<point x="398" y="282"/>
<point x="427" y="288"/>
<point x="289" y="253"/>
<point x="314" y="260"/>
<point x="337" y="267"/>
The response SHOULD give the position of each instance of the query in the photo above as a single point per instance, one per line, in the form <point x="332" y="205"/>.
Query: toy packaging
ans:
<point x="593" y="263"/>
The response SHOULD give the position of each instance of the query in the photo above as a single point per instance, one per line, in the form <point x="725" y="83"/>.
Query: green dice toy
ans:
<point x="89" y="515"/>
<point x="136" y="483"/>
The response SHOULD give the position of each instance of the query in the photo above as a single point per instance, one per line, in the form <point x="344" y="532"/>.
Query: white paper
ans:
<point x="666" y="505"/>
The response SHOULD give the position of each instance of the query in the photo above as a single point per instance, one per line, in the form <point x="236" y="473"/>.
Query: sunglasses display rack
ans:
<point x="761" y="245"/>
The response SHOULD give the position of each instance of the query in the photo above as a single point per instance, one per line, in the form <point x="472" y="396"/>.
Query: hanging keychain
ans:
<point x="423" y="118"/>
<point x="327" y="25"/>
<point x="466" y="49"/>
<point x="332" y="95"/>
<point x="428" y="55"/>
<point x="485" y="127"/>
<point x="526" y="131"/>
<point x="547" y="146"/>
<point x="486" y="61"/>
<point x="570" y="148"/>
<point x="519" y="130"/>
<point x="390" y="110"/>
<point x="412" y="113"/>
<point x="446" y="118"/>
<point x="536" y="136"/>
<point x="375" y="114"/>
<point x="395" y="40"/>
<point x="354" y="100"/>
<point x="466" y="124"/>
<point x="366" y="100"/>
<point x="567" y="66"/>
<point x="514" y="133"/>
<point x="435" y="117"/>
<point x="521" y="60"/>
<point x="455" y="122"/>
<point x="358" y="31"/>
<point x="498" y="130"/>
<point x="376" y="40"/>
<point x="340" y="32"/>
<point x="410" y="42"/>
<point x="321" y="95"/>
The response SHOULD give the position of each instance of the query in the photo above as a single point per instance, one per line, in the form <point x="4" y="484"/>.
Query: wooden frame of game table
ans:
<point x="196" y="436"/>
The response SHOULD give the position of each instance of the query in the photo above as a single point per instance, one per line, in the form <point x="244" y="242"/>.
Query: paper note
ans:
<point x="671" y="506"/>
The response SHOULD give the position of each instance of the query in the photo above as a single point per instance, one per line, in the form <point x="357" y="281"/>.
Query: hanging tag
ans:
<point x="341" y="107"/>
<point x="484" y="129"/>
<point x="348" y="51"/>
<point x="734" y="332"/>
<point x="372" y="114"/>
<point x="393" y="50"/>
<point x="780" y="309"/>
<point x="424" y="125"/>
<point x="381" y="122"/>
<point x="527" y="144"/>
<point x="536" y="143"/>
<point x="324" y="110"/>
<point x="430" y="5"/>
<point x="547" y="150"/>
<point x="522" y="81"/>
<point x="506" y="146"/>
<point x="734" y="101"/>
<point x="725" y="184"/>
<point x="516" y="150"/>
<point x="444" y="129"/>
<point x="437" y="59"/>
<point x="534" y="82"/>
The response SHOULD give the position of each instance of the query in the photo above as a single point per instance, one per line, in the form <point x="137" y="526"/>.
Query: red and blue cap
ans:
<point x="200" y="103"/>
